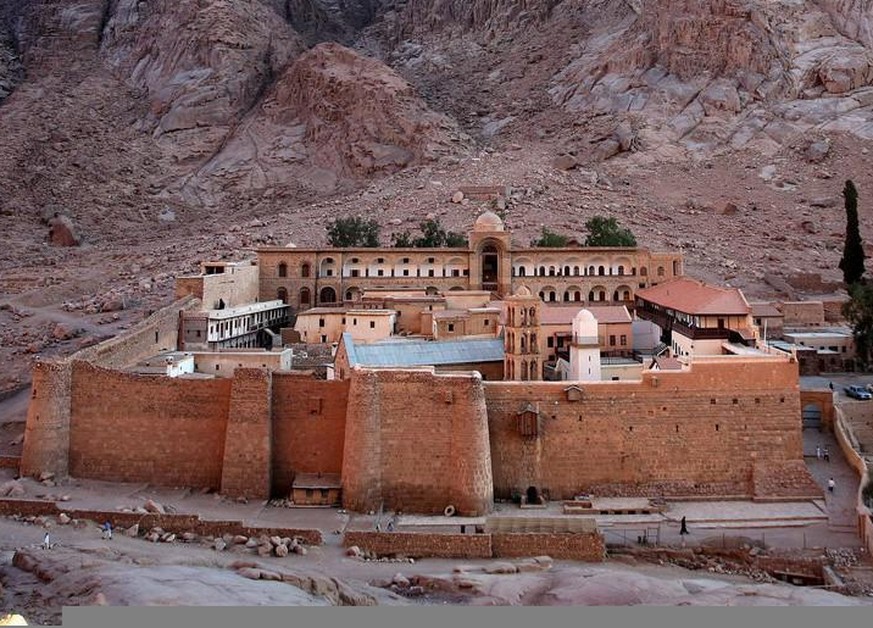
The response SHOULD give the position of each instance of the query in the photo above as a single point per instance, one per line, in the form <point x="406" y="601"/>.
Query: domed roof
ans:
<point x="489" y="221"/>
<point x="585" y="315"/>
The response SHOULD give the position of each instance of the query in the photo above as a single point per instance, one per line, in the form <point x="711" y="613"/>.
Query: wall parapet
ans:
<point x="859" y="464"/>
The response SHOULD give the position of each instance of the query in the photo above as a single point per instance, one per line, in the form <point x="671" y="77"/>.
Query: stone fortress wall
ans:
<point x="415" y="440"/>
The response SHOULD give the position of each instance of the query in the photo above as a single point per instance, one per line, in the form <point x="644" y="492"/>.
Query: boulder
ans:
<point x="62" y="232"/>
<point x="154" y="507"/>
<point x="457" y="197"/>
<point x="239" y="539"/>
<point x="63" y="518"/>
<point x="299" y="549"/>
<point x="400" y="580"/>
<point x="501" y="568"/>
<point x="252" y="543"/>
<point x="265" y="550"/>
<point x="730" y="209"/>
<point x="219" y="545"/>
<point x="354" y="551"/>
<point x="563" y="162"/>
<point x="281" y="551"/>
<point x="12" y="488"/>
<point x="132" y="531"/>
<point x="46" y="475"/>
<point x="817" y="151"/>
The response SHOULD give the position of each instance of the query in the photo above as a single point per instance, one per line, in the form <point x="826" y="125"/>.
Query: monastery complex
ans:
<point x="434" y="380"/>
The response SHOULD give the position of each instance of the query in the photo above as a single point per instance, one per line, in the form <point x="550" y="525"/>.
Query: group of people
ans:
<point x="822" y="454"/>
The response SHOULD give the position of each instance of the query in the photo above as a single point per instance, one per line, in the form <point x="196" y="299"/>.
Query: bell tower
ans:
<point x="585" y="349"/>
<point x="522" y="336"/>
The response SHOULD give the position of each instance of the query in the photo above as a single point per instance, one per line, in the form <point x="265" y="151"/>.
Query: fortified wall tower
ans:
<point x="417" y="442"/>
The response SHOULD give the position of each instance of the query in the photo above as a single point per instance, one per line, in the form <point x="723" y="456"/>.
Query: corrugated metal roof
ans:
<point x="423" y="352"/>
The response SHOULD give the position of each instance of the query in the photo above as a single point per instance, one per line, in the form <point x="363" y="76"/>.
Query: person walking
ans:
<point x="831" y="485"/>
<point x="827" y="455"/>
<point x="46" y="541"/>
<point x="683" y="527"/>
<point x="107" y="530"/>
<point x="818" y="452"/>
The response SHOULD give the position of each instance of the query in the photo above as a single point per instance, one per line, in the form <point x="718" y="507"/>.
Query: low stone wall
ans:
<point x="170" y="522"/>
<point x="10" y="462"/>
<point x="421" y="545"/>
<point x="569" y="546"/>
<point x="587" y="547"/>
<point x="865" y="519"/>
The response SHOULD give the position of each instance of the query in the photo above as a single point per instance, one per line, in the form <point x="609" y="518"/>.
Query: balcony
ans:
<point x="701" y="333"/>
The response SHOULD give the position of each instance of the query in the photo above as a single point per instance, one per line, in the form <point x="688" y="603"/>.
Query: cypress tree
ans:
<point x="852" y="263"/>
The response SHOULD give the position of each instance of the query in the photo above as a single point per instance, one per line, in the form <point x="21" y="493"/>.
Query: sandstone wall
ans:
<point x="245" y="470"/>
<point x="692" y="433"/>
<point x="159" y="332"/>
<point x="417" y="442"/>
<point x="567" y="546"/>
<point x="47" y="431"/>
<point x="133" y="428"/>
<point x="421" y="545"/>
<point x="309" y="426"/>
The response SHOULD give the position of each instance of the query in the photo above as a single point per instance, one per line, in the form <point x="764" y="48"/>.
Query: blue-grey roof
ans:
<point x="423" y="352"/>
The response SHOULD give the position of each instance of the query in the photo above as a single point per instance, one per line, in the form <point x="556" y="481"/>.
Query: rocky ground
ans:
<point x="81" y="568"/>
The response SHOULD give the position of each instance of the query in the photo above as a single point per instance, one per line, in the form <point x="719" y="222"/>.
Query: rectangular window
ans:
<point x="406" y="272"/>
<point x="456" y="272"/>
<point x="405" y="260"/>
<point x="430" y="260"/>
<point x="451" y="327"/>
<point x="321" y="322"/>
<point x="623" y="340"/>
<point x="486" y="323"/>
<point x="612" y="341"/>
<point x="550" y="342"/>
<point x="380" y="273"/>
<point x="430" y="273"/>
<point x="372" y="324"/>
<point x="356" y="272"/>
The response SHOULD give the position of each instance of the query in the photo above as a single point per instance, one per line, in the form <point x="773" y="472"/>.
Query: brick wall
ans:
<point x="418" y="443"/>
<point x="134" y="428"/>
<point x="245" y="470"/>
<point x="421" y="545"/>
<point x="159" y="332"/>
<point x="587" y="547"/>
<point x="170" y="522"/>
<point x="309" y="427"/>
<point x="47" y="431"/>
<point x="683" y="433"/>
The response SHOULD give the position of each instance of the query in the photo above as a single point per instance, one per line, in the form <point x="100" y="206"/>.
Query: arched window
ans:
<point x="660" y="271"/>
<point x="305" y="296"/>
<point x="521" y="271"/>
<point x="552" y="296"/>
<point x="282" y="295"/>
<point x="567" y="270"/>
<point x="577" y="296"/>
<point x="551" y="271"/>
<point x="576" y="270"/>
<point x="542" y="271"/>
<point x="327" y="295"/>
<point x="566" y="295"/>
<point x="304" y="269"/>
<point x="601" y="270"/>
<point x="621" y="270"/>
<point x="615" y="296"/>
<point x="283" y="269"/>
<point x="626" y="295"/>
<point x="591" y="295"/>
<point x="603" y="295"/>
<point x="531" y="315"/>
<point x="591" y="270"/>
<point x="643" y="271"/>
<point x="542" y="296"/>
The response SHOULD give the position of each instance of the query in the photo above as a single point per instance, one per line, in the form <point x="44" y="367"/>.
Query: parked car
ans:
<point x="858" y="392"/>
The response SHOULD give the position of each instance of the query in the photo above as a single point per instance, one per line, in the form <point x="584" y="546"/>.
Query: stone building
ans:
<point x="305" y="277"/>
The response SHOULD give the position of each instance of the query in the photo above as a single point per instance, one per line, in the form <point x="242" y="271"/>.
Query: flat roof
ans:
<point x="423" y="352"/>
<point x="242" y="310"/>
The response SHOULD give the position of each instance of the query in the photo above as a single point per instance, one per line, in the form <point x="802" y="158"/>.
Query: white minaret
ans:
<point x="585" y="349"/>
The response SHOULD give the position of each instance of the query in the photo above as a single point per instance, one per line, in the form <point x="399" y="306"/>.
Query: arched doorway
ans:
<point x="490" y="267"/>
<point x="305" y="297"/>
<point x="282" y="295"/>
<point x="327" y="295"/>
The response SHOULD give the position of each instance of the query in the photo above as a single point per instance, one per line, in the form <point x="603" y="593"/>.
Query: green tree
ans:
<point x="858" y="310"/>
<point x="433" y="235"/>
<point x="604" y="231"/>
<point x="852" y="263"/>
<point x="549" y="239"/>
<point x="401" y="240"/>
<point x="353" y="231"/>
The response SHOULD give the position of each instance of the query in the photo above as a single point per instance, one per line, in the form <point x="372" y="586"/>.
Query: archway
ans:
<point x="282" y="295"/>
<point x="490" y="267"/>
<point x="811" y="415"/>
<point x="327" y="295"/>
<point x="305" y="296"/>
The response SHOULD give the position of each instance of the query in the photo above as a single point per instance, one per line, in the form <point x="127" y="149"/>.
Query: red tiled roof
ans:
<point x="564" y="315"/>
<point x="668" y="364"/>
<point x="695" y="297"/>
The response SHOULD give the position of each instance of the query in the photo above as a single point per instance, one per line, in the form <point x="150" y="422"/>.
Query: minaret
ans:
<point x="585" y="349"/>
<point x="522" y="355"/>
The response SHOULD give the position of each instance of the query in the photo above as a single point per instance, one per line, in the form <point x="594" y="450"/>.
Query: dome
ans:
<point x="584" y="324"/>
<point x="489" y="221"/>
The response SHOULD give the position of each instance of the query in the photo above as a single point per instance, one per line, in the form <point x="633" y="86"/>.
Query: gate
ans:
<point x="811" y="415"/>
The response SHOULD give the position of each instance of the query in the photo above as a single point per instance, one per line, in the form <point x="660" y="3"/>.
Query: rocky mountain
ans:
<point x="194" y="128"/>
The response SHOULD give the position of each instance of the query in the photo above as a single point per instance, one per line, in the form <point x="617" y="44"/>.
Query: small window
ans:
<point x="612" y="341"/>
<point x="355" y="321"/>
<point x="380" y="273"/>
<point x="372" y="324"/>
<point x="486" y="322"/>
<point x="451" y="327"/>
<point x="716" y="427"/>
<point x="623" y="340"/>
<point x="406" y="272"/>
<point x="757" y="400"/>
<point x="405" y="260"/>
<point x="431" y="260"/>
<point x="735" y="401"/>
<point x="321" y="322"/>
<point x="550" y="342"/>
<point x="430" y="273"/>
<point x="380" y="260"/>
<point x="712" y="401"/>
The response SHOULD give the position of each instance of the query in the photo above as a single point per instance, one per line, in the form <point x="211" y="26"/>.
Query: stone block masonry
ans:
<point x="588" y="547"/>
<point x="245" y="470"/>
<point x="417" y="442"/>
